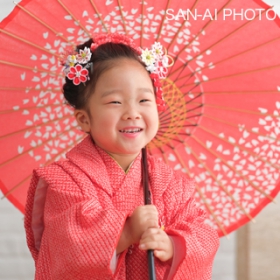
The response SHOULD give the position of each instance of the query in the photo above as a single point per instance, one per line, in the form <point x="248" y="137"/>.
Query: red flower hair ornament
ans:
<point x="155" y="60"/>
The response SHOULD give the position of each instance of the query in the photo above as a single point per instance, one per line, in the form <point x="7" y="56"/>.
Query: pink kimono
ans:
<point x="76" y="210"/>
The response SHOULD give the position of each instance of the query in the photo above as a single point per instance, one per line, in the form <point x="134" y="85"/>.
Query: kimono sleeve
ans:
<point x="81" y="229"/>
<point x="196" y="242"/>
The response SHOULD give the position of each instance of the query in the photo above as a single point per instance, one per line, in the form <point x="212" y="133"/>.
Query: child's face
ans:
<point x="124" y="116"/>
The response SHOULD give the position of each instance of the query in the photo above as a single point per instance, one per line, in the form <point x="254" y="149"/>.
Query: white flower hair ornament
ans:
<point x="156" y="61"/>
<point x="156" y="64"/>
<point x="73" y="68"/>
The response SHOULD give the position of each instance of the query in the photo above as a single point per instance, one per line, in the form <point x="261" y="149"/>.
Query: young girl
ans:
<point x="85" y="217"/>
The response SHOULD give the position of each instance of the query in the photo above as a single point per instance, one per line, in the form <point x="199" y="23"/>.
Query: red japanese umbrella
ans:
<point x="222" y="124"/>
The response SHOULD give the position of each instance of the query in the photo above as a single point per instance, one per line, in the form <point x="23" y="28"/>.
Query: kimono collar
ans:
<point x="91" y="159"/>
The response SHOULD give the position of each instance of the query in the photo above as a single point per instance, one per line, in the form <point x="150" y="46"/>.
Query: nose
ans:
<point x="131" y="114"/>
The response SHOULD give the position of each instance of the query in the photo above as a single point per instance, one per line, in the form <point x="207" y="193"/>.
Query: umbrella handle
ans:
<point x="151" y="264"/>
<point x="147" y="198"/>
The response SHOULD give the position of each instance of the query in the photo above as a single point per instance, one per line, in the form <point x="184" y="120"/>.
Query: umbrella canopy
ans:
<point x="222" y="124"/>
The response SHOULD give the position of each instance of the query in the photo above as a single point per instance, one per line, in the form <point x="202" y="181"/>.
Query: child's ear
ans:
<point x="83" y="119"/>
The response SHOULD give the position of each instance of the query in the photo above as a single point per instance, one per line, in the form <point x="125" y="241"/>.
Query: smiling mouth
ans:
<point x="134" y="130"/>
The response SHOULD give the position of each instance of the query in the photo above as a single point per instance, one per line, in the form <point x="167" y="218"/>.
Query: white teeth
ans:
<point x="131" y="130"/>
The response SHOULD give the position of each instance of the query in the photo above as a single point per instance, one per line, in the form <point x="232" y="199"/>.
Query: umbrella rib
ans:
<point x="100" y="17"/>
<point x="163" y="135"/>
<point x="164" y="156"/>
<point x="122" y="16"/>
<point x="235" y="145"/>
<point x="29" y="89"/>
<point x="241" y="148"/>
<point x="182" y="163"/>
<point x="30" y="68"/>
<point x="233" y="56"/>
<point x="43" y="23"/>
<point x="236" y="126"/>
<point x="166" y="117"/>
<point x="157" y="138"/>
<point x="11" y="111"/>
<point x="162" y="129"/>
<point x="239" y="110"/>
<point x="219" y="107"/>
<point x="215" y="217"/>
<point x="27" y="42"/>
<point x="245" y="178"/>
<point x="73" y="17"/>
<point x="162" y="21"/>
<point x="181" y="118"/>
<point x="182" y="25"/>
<point x="185" y="94"/>
<point x="197" y="35"/>
<point x="33" y="127"/>
<point x="47" y="163"/>
<point x="219" y="41"/>
<point x="162" y="151"/>
<point x="38" y="146"/>
<point x="175" y="109"/>
<point x="242" y="92"/>
<point x="142" y="23"/>
<point x="219" y="183"/>
<point x="202" y="196"/>
<point x="16" y="187"/>
<point x="224" y="108"/>
<point x="231" y="75"/>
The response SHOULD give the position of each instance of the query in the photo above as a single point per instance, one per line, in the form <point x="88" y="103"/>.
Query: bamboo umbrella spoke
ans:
<point x="195" y="37"/>
<point x="220" y="184"/>
<point x="42" y="144"/>
<point x="237" y="54"/>
<point x="256" y="156"/>
<point x="12" y="190"/>
<point x="234" y="55"/>
<point x="99" y="15"/>
<point x="241" y="92"/>
<point x="245" y="178"/>
<point x="244" y="129"/>
<point x="74" y="18"/>
<point x="33" y="69"/>
<point x="39" y="106"/>
<point x="220" y="40"/>
<point x="59" y="34"/>
<point x="202" y="196"/>
<point x="182" y="25"/>
<point x="28" y="42"/>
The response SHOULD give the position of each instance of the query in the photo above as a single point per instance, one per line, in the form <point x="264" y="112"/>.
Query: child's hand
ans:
<point x="142" y="218"/>
<point x="156" y="239"/>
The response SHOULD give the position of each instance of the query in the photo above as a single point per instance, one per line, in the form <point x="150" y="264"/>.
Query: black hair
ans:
<point x="102" y="59"/>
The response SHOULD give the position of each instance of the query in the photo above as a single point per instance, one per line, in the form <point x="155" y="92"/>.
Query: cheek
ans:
<point x="154" y="120"/>
<point x="103" y="121"/>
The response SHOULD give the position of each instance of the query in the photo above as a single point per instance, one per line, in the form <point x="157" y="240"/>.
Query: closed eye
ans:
<point x="115" y="102"/>
<point x="144" y="100"/>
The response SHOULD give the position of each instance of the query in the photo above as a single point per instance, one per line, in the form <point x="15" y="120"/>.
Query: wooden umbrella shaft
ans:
<point x="147" y="198"/>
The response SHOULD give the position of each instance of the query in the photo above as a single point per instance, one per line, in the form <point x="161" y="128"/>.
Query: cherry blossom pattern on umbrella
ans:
<point x="220" y="128"/>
